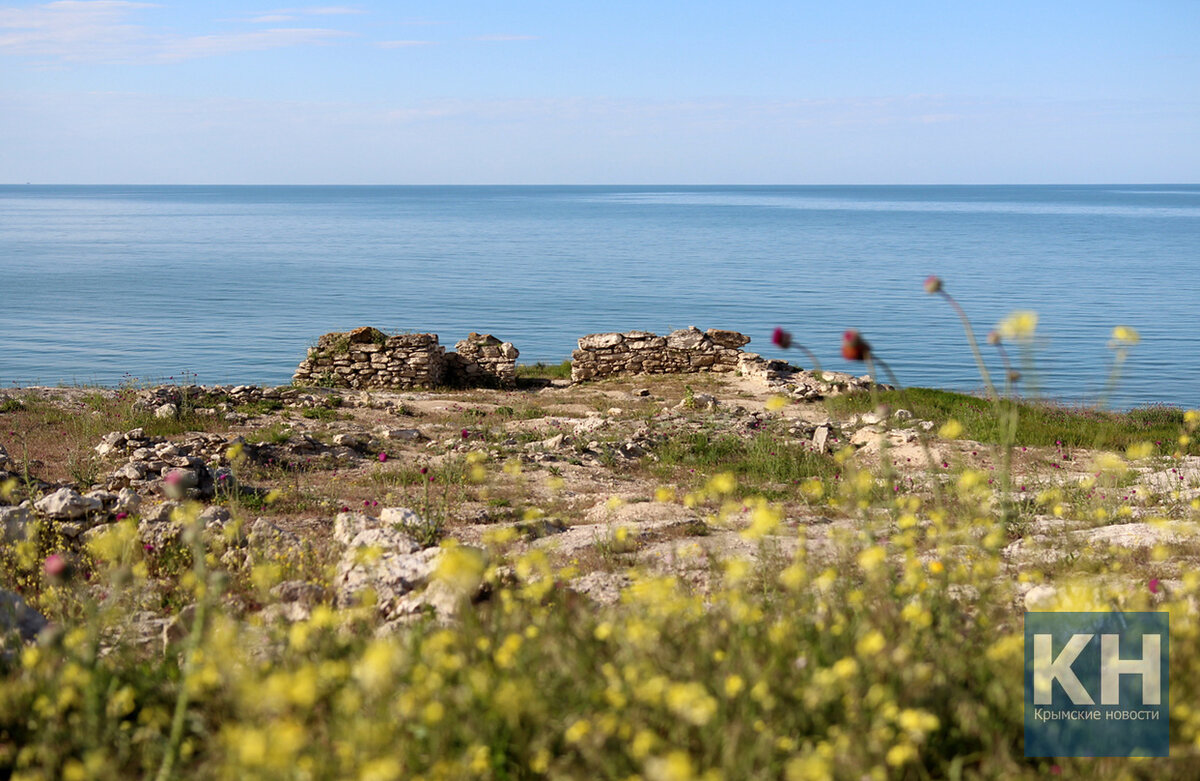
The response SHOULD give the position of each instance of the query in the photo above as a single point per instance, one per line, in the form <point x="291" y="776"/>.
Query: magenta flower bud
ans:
<point x="933" y="284"/>
<point x="55" y="566"/>
<point x="466" y="434"/>
<point x="781" y="338"/>
<point x="383" y="457"/>
<point x="854" y="347"/>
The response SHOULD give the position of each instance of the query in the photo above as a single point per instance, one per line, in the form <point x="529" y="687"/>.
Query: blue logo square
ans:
<point x="1097" y="684"/>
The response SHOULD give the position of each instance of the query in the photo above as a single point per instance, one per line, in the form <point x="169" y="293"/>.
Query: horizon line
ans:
<point x="604" y="184"/>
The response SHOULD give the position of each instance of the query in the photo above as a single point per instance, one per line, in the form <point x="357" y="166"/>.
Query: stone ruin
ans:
<point x="482" y="359"/>
<point x="369" y="358"/>
<point x="692" y="350"/>
<point x="641" y="352"/>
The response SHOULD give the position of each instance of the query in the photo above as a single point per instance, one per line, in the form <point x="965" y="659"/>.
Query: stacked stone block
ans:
<point x="640" y="352"/>
<point x="482" y="360"/>
<point x="369" y="358"/>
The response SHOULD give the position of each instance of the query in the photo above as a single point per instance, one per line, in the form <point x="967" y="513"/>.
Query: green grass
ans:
<point x="260" y="407"/>
<point x="321" y="413"/>
<point x="1040" y="424"/>
<point x="275" y="434"/>
<point x="545" y="371"/>
<point x="761" y="459"/>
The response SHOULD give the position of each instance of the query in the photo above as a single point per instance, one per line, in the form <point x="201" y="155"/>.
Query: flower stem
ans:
<point x="166" y="771"/>
<point x="922" y="435"/>
<point x="815" y="361"/>
<point x="983" y="371"/>
<point x="1114" y="375"/>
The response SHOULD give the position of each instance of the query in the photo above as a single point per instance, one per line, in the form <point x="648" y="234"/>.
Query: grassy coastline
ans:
<point x="621" y="585"/>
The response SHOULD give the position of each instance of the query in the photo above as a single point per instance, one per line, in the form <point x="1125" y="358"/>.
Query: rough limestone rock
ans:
<point x="127" y="502"/>
<point x="14" y="522"/>
<point x="388" y="563"/>
<point x="1138" y="535"/>
<point x="17" y="616"/>
<point x="820" y="439"/>
<point x="347" y="525"/>
<point x="401" y="434"/>
<point x="66" y="504"/>
<point x="403" y="516"/>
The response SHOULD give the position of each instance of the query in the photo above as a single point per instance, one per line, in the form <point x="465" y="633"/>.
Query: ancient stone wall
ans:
<point x="482" y="360"/>
<point x="640" y="352"/>
<point x="369" y="358"/>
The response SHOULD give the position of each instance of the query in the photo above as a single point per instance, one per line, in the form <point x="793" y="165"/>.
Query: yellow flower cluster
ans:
<point x="883" y="645"/>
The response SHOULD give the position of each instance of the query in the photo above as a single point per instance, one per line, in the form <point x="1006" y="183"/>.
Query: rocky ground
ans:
<point x="346" y="493"/>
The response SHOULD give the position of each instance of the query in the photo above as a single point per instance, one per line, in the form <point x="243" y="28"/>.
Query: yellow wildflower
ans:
<point x="951" y="430"/>
<point x="1139" y="451"/>
<point x="676" y="766"/>
<point x="577" y="731"/>
<point x="776" y="403"/>
<point x="1124" y="336"/>
<point x="691" y="702"/>
<point x="871" y="558"/>
<point x="1018" y="326"/>
<point x="723" y="483"/>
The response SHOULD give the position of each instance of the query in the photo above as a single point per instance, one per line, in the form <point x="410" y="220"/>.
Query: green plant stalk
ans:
<point x="167" y="770"/>
<point x="983" y="371"/>
<point x="816" y="362"/>
<point x="1009" y="414"/>
<point x="1114" y="375"/>
<point x="1008" y="436"/>
<point x="885" y="460"/>
<point x="922" y="435"/>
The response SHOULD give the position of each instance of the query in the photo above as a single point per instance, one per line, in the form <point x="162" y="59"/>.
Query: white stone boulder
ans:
<point x="66" y="504"/>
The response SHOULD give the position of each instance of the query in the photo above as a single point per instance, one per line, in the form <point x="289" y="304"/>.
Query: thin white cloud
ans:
<point x="277" y="15"/>
<point x="230" y="43"/>
<point x="70" y="29"/>
<point x="268" y="19"/>
<point x="103" y="31"/>
<point x="325" y="10"/>
<point x="331" y="10"/>
<point x="506" y="38"/>
<point x="404" y="44"/>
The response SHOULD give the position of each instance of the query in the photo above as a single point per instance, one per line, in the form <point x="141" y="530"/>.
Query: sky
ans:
<point x="646" y="92"/>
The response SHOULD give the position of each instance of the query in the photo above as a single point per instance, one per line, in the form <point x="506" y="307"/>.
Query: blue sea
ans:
<point x="104" y="284"/>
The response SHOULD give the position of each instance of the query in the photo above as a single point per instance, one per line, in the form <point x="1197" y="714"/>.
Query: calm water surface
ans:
<point x="233" y="283"/>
